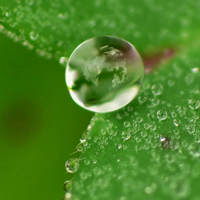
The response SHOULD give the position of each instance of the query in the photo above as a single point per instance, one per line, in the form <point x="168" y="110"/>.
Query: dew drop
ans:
<point x="194" y="149"/>
<point x="87" y="161"/>
<point x="165" y="141"/>
<point x="181" y="188"/>
<point x="72" y="165"/>
<point x="63" y="61"/>
<point x="94" y="161"/>
<point x="80" y="147"/>
<point x="142" y="99"/>
<point x="104" y="74"/>
<point x="119" y="146"/>
<point x="162" y="115"/>
<point x="195" y="70"/>
<point x="68" y="196"/>
<point x="176" y="122"/>
<point x="150" y="189"/>
<point x="130" y="108"/>
<point x="67" y="186"/>
<point x="194" y="104"/>
<point x="126" y="135"/>
<point x="29" y="2"/>
<point x="33" y="35"/>
<point x="126" y="124"/>
<point x="143" y="133"/>
<point x="157" y="89"/>
<point x="1" y="28"/>
<point x="190" y="128"/>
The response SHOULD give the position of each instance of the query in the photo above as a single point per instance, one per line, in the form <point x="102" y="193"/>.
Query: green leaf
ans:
<point x="150" y="149"/>
<point x="129" y="153"/>
<point x="55" y="28"/>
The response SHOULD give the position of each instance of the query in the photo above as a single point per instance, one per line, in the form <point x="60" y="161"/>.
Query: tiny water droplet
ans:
<point x="195" y="70"/>
<point x="33" y="35"/>
<point x="94" y="161"/>
<point x="194" y="149"/>
<point x="63" y="61"/>
<point x="157" y="89"/>
<point x="87" y="161"/>
<point x="170" y="83"/>
<point x="162" y="115"/>
<point x="80" y="147"/>
<point x="119" y="146"/>
<point x="129" y="108"/>
<point x="142" y="99"/>
<point x="194" y="104"/>
<point x="126" y="124"/>
<point x="190" y="128"/>
<point x="29" y="2"/>
<point x="67" y="186"/>
<point x="165" y="141"/>
<point x="143" y="133"/>
<point x="126" y="135"/>
<point x="176" y="122"/>
<point x="104" y="74"/>
<point x="72" y="165"/>
<point x="150" y="189"/>
<point x="68" y="196"/>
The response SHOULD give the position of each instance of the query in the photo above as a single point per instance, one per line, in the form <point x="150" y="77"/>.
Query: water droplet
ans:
<point x="165" y="141"/>
<point x="67" y="186"/>
<point x="162" y="115"/>
<point x="104" y="74"/>
<point x="33" y="35"/>
<point x="190" y="128"/>
<point x="157" y="89"/>
<point x="195" y="149"/>
<point x="143" y="134"/>
<point x="1" y="28"/>
<point x="195" y="70"/>
<point x="68" y="196"/>
<point x="63" y="61"/>
<point x="94" y="161"/>
<point x="126" y="135"/>
<point x="181" y="188"/>
<point x="29" y="2"/>
<point x="119" y="146"/>
<point x="126" y="124"/>
<point x="80" y="147"/>
<point x="170" y="83"/>
<point x="129" y="108"/>
<point x="72" y="165"/>
<point x="87" y="161"/>
<point x="176" y="122"/>
<point x="194" y="104"/>
<point x="142" y="99"/>
<point x="150" y="189"/>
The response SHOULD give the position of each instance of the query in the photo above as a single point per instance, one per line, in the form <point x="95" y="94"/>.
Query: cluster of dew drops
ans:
<point x="33" y="37"/>
<point x="72" y="165"/>
<point x="174" y="114"/>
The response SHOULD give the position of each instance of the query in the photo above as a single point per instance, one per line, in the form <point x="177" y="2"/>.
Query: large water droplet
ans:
<point x="72" y="165"/>
<point x="104" y="74"/>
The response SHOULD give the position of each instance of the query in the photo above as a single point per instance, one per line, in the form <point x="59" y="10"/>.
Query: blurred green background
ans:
<point x="40" y="125"/>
